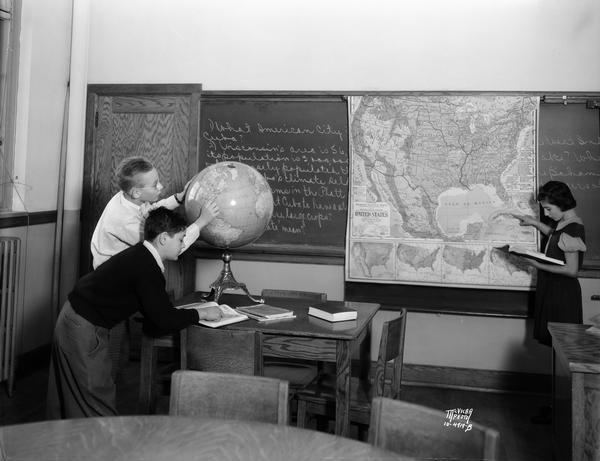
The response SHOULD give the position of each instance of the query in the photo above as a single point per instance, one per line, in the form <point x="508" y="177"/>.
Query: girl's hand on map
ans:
<point x="525" y="220"/>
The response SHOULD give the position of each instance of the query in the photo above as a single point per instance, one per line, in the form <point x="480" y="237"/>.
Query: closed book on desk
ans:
<point x="332" y="326"/>
<point x="228" y="315"/>
<point x="530" y="254"/>
<point x="263" y="312"/>
<point x="333" y="311"/>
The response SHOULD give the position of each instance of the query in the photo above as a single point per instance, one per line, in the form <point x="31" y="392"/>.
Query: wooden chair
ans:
<point x="217" y="350"/>
<point x="414" y="430"/>
<point x="228" y="396"/>
<point x="298" y="373"/>
<point x="319" y="397"/>
<point x="149" y="347"/>
<point x="149" y="368"/>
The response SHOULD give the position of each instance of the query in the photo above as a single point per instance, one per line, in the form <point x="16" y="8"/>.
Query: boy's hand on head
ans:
<point x="211" y="313"/>
<point x="210" y="211"/>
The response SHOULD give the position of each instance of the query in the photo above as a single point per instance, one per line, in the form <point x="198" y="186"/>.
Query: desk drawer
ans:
<point x="297" y="347"/>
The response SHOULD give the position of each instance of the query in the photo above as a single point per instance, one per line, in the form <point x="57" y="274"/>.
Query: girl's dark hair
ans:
<point x="557" y="193"/>
<point x="127" y="170"/>
<point x="163" y="220"/>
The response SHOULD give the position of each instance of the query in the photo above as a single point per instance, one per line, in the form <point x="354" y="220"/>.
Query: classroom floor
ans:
<point x="510" y="414"/>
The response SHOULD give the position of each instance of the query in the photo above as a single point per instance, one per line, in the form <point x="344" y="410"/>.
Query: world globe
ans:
<point x="244" y="199"/>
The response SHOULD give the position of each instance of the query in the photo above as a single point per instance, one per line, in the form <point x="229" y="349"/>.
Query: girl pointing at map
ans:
<point x="558" y="293"/>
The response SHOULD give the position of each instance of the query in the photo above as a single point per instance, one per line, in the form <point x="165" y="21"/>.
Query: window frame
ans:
<point x="10" y="22"/>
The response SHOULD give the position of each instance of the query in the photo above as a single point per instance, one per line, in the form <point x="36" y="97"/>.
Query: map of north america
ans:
<point x="442" y="175"/>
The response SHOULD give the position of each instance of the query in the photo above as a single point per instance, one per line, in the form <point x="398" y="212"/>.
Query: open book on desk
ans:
<point x="530" y="254"/>
<point x="228" y="315"/>
<point x="266" y="312"/>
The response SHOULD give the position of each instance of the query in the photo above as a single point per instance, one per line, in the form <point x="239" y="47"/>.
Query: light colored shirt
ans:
<point x="121" y="225"/>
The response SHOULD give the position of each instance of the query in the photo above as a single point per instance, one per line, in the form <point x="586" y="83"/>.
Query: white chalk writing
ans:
<point x="306" y="166"/>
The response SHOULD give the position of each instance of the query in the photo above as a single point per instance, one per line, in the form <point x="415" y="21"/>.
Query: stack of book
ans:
<point x="333" y="311"/>
<point x="266" y="312"/>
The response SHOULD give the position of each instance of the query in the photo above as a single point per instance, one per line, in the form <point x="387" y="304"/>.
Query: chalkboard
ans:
<point x="300" y="145"/>
<point x="569" y="151"/>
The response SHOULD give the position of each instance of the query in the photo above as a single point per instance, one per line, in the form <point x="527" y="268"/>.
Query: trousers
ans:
<point x="80" y="382"/>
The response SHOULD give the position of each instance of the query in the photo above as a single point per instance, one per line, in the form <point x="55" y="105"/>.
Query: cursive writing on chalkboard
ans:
<point x="301" y="149"/>
<point x="563" y="159"/>
<point x="569" y="151"/>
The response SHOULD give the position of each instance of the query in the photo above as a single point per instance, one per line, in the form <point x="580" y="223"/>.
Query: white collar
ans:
<point x="569" y="217"/>
<point x="125" y="202"/>
<point x="154" y="253"/>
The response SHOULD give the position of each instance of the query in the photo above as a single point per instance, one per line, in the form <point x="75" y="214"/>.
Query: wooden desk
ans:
<point x="575" y="392"/>
<point x="309" y="338"/>
<point x="176" y="438"/>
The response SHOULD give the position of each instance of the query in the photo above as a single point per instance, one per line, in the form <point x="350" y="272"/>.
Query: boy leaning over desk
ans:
<point x="80" y="381"/>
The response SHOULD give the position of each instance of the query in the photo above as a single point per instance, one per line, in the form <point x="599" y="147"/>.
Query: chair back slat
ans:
<point x="228" y="396"/>
<point x="214" y="349"/>
<point x="391" y="356"/>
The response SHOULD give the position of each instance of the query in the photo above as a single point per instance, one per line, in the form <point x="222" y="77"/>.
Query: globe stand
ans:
<point x="226" y="281"/>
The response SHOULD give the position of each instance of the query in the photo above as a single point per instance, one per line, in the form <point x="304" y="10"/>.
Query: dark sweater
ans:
<point x="129" y="281"/>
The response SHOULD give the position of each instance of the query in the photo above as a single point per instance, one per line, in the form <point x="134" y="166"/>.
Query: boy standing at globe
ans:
<point x="121" y="223"/>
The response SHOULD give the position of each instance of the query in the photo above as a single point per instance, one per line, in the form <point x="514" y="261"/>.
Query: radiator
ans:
<point x="10" y="251"/>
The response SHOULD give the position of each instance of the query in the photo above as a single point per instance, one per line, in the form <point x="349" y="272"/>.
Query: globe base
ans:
<point x="226" y="281"/>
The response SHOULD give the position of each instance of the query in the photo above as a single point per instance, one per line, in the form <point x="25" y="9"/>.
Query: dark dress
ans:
<point x="557" y="297"/>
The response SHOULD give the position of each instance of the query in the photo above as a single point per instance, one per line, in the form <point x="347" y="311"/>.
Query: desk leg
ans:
<point x="342" y="392"/>
<point x="258" y="354"/>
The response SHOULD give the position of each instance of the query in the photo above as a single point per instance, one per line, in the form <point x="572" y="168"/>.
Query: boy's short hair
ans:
<point x="163" y="220"/>
<point x="557" y="193"/>
<point x="127" y="170"/>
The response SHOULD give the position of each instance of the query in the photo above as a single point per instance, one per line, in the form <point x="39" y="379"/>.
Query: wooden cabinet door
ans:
<point x="158" y="122"/>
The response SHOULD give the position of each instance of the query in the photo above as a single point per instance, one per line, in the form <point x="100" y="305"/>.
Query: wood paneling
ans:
<point x="158" y="122"/>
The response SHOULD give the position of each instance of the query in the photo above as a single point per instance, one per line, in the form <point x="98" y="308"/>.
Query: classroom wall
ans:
<point x="42" y="81"/>
<point x="352" y="45"/>
<point x="311" y="45"/>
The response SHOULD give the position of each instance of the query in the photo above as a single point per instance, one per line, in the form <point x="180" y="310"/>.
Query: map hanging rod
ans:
<point x="565" y="99"/>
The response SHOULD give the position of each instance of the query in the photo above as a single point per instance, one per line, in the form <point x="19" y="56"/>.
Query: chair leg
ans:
<point x="301" y="414"/>
<point x="146" y="401"/>
<point x="363" y="432"/>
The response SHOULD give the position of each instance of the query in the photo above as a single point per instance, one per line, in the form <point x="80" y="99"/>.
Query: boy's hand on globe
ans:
<point x="210" y="210"/>
<point x="211" y="313"/>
